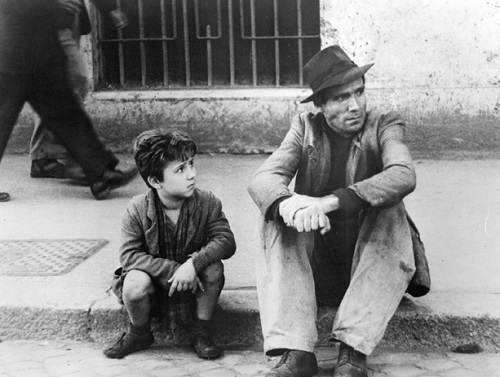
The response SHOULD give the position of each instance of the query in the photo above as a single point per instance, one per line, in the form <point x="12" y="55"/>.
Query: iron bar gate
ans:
<point x="197" y="43"/>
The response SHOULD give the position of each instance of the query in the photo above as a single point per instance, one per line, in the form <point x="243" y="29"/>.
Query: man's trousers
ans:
<point x="286" y="291"/>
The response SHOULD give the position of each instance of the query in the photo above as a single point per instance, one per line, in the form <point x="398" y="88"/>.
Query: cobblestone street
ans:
<point x="71" y="359"/>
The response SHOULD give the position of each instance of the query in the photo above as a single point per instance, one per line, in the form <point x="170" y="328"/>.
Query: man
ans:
<point x="33" y="69"/>
<point x="49" y="159"/>
<point x="352" y="171"/>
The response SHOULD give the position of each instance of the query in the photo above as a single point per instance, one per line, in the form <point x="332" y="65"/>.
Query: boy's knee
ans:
<point x="213" y="274"/>
<point x="137" y="286"/>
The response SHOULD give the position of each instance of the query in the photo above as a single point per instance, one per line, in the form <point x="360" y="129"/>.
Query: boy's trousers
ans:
<point x="286" y="292"/>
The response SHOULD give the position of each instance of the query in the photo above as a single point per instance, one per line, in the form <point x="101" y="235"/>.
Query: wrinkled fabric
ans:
<point x="380" y="170"/>
<point x="209" y="237"/>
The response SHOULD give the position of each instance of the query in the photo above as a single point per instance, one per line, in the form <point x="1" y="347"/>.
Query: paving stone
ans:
<point x="30" y="373"/>
<point x="152" y="364"/>
<point x="251" y="369"/>
<point x="196" y="367"/>
<point x="459" y="372"/>
<point x="85" y="360"/>
<point x="231" y="360"/>
<point x="171" y="372"/>
<point x="220" y="372"/>
<point x="438" y="365"/>
<point x="63" y="369"/>
<point x="114" y="370"/>
<point x="403" y="371"/>
<point x="25" y="365"/>
<point x="396" y="358"/>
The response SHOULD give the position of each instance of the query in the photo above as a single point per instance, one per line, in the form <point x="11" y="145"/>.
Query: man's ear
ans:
<point x="153" y="182"/>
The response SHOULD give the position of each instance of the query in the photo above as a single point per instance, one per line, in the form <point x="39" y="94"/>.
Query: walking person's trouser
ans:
<point x="48" y="92"/>
<point x="44" y="144"/>
<point x="286" y="292"/>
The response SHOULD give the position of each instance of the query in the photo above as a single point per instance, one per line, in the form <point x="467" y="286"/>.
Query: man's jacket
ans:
<point x="209" y="237"/>
<point x="379" y="169"/>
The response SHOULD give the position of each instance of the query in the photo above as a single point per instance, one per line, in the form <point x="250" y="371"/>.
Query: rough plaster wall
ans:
<point x="437" y="62"/>
<point x="424" y="46"/>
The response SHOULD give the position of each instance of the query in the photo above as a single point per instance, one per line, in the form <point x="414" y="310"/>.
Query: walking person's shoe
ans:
<point x="203" y="344"/>
<point x="295" y="363"/>
<point x="110" y="180"/>
<point x="129" y="343"/>
<point x="52" y="168"/>
<point x="350" y="363"/>
<point x="4" y="197"/>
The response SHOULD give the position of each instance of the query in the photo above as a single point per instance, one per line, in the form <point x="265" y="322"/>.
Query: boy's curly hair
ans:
<point x="153" y="149"/>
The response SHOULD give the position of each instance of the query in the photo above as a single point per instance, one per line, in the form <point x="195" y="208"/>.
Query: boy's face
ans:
<point x="179" y="179"/>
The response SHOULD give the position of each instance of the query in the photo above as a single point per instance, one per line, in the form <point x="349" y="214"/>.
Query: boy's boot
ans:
<point x="202" y="342"/>
<point x="295" y="363"/>
<point x="137" y="339"/>
<point x="351" y="363"/>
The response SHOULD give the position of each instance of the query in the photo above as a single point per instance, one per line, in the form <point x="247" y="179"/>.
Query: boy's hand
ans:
<point x="185" y="278"/>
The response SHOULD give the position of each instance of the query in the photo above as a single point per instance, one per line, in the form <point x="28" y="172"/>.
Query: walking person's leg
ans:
<point x="49" y="159"/>
<point x="14" y="90"/>
<point x="54" y="100"/>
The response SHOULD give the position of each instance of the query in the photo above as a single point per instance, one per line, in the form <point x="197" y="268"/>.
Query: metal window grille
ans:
<point x="208" y="43"/>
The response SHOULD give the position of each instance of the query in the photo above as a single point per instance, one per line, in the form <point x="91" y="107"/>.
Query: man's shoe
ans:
<point x="110" y="180"/>
<point x="4" y="197"/>
<point x="351" y="363"/>
<point x="295" y="363"/>
<point x="129" y="343"/>
<point x="205" y="346"/>
<point x="51" y="168"/>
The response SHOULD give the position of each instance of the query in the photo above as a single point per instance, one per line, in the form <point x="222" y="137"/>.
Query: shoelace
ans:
<point x="283" y="360"/>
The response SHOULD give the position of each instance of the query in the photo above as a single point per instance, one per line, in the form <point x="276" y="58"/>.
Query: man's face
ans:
<point x="345" y="108"/>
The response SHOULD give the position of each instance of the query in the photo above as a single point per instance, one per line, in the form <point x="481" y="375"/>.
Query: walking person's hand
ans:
<point x="72" y="6"/>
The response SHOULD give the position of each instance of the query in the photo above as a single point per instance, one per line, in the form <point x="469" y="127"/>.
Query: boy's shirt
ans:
<point x="208" y="238"/>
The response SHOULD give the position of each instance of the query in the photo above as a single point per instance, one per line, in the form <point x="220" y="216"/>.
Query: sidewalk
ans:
<point x="57" y="359"/>
<point x="456" y="206"/>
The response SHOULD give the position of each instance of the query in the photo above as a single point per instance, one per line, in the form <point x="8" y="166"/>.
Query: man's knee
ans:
<point x="213" y="274"/>
<point x="137" y="286"/>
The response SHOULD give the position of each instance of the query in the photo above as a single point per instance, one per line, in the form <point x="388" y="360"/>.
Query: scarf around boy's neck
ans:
<point x="169" y="247"/>
<point x="180" y="308"/>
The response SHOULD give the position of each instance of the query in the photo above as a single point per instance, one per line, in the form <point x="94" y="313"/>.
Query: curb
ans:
<point x="237" y="324"/>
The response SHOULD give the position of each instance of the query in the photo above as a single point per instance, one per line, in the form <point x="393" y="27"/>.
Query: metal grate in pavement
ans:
<point x="45" y="257"/>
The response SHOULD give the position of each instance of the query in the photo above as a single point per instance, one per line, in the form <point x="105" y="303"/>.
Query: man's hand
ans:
<point x="185" y="278"/>
<point x="306" y="213"/>
<point x="311" y="218"/>
<point x="291" y="205"/>
<point x="72" y="6"/>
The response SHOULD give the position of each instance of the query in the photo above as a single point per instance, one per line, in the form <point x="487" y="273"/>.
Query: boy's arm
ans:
<point x="134" y="253"/>
<point x="221" y="243"/>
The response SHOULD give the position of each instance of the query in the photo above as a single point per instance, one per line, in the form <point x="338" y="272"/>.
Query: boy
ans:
<point x="174" y="237"/>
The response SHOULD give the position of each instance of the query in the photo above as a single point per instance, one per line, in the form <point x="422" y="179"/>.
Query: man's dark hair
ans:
<point x="322" y="96"/>
<point x="153" y="149"/>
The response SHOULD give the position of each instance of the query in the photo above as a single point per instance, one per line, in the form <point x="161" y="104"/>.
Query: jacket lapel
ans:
<point x="152" y="231"/>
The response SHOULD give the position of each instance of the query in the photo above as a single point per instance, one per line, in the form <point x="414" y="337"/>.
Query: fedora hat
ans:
<point x="331" y="67"/>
